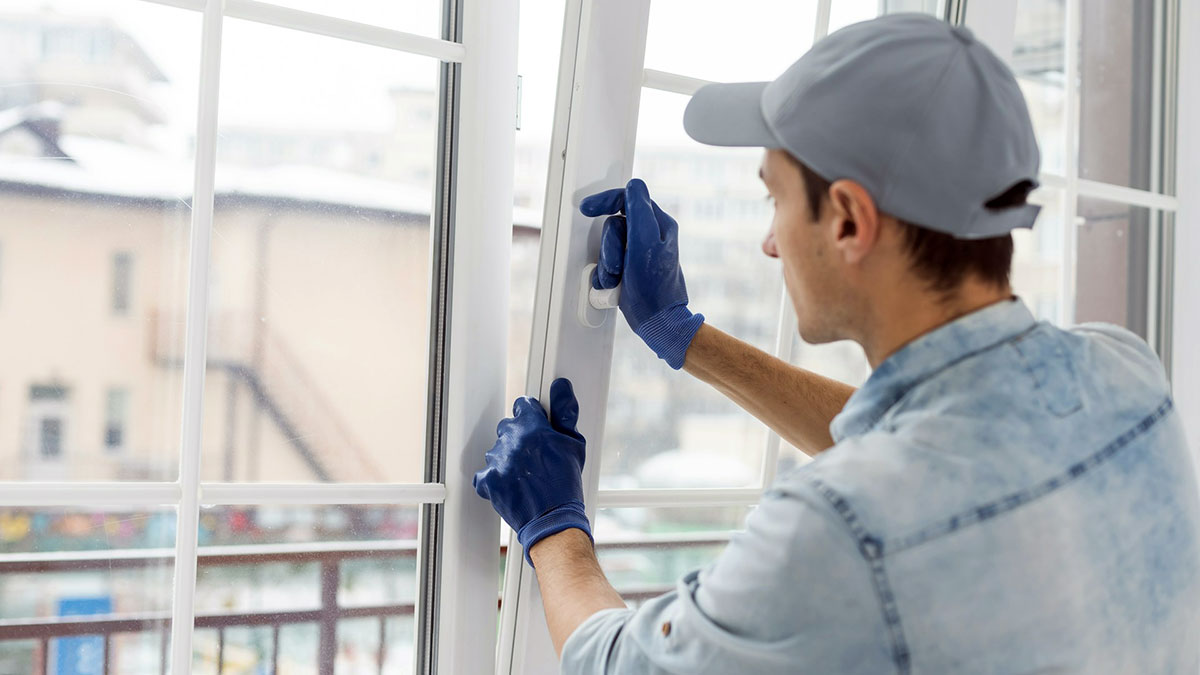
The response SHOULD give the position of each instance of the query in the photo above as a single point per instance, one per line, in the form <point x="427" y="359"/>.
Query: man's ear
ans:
<point x="855" y="220"/>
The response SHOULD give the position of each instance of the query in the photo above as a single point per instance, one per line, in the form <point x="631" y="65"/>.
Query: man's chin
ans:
<point x="816" y="335"/>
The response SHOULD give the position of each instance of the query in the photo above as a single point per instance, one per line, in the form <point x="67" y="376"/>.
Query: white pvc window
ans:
<point x="648" y="427"/>
<point x="301" y="206"/>
<point x="665" y="431"/>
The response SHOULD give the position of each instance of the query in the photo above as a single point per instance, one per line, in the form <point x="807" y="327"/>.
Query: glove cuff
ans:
<point x="555" y="520"/>
<point x="669" y="333"/>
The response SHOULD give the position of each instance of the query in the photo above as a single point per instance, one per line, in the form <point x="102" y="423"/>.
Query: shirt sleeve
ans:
<point x="790" y="594"/>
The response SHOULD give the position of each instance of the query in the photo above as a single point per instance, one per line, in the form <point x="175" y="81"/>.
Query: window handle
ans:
<point x="594" y="301"/>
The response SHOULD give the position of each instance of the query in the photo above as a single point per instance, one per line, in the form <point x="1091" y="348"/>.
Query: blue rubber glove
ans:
<point x="534" y="473"/>
<point x="640" y="250"/>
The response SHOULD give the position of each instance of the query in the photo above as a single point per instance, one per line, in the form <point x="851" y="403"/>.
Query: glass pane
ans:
<point x="1112" y="263"/>
<point x="665" y="428"/>
<point x="423" y="17"/>
<point x="1038" y="259"/>
<point x="843" y="360"/>
<point x="1117" y="43"/>
<point x="537" y="63"/>
<point x="1037" y="61"/>
<point x="842" y="13"/>
<point x="729" y="42"/>
<point x="320" y="261"/>
<point x="790" y="458"/>
<point x="644" y="551"/>
<point x="332" y="580"/>
<point x="98" y="102"/>
<point x="111" y="563"/>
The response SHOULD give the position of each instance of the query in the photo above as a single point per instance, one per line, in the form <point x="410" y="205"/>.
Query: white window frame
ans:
<point x="1185" y="361"/>
<point x="458" y="636"/>
<point x="601" y="78"/>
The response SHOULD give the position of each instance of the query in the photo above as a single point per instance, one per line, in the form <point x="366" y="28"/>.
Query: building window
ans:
<point x="122" y="273"/>
<point x="115" y="411"/>
<point x="51" y="438"/>
<point x="48" y="413"/>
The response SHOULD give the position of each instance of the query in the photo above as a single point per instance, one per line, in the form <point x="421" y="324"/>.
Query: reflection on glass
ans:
<point x="320" y="260"/>
<point x="107" y="563"/>
<point x="644" y="551"/>
<point x="337" y="585"/>
<point x="665" y="428"/>
<point x="96" y="117"/>
<point x="1112" y="263"/>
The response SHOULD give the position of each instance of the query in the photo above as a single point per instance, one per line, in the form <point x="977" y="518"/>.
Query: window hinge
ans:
<point x="518" y="102"/>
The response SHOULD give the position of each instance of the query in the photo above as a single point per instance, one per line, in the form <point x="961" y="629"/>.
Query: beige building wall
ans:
<point x="328" y="307"/>
<point x="58" y="327"/>
<point x="318" y="330"/>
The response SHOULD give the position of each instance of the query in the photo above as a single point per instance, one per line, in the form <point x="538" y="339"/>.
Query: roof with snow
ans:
<point x="110" y="169"/>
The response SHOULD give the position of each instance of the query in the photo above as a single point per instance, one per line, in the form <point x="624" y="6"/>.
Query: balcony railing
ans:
<point x="326" y="615"/>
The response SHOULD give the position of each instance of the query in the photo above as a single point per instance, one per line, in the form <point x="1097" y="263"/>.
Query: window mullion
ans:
<point x="331" y="26"/>
<point x="1071" y="169"/>
<point x="821" y="25"/>
<point x="114" y="493"/>
<point x="320" y="24"/>
<point x="194" y="346"/>
<point x="313" y="494"/>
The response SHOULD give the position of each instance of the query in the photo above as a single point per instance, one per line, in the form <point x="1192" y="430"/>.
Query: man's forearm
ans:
<point x="798" y="404"/>
<point x="572" y="584"/>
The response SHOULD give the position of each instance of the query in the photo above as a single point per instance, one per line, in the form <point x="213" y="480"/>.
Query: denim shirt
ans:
<point x="1003" y="497"/>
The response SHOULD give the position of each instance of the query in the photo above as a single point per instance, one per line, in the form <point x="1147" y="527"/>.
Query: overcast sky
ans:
<point x="282" y="78"/>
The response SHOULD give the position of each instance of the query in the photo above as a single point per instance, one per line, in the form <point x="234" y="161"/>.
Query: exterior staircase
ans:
<point x="282" y="389"/>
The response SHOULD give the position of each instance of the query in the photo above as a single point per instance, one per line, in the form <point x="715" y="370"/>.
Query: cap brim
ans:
<point x="729" y="114"/>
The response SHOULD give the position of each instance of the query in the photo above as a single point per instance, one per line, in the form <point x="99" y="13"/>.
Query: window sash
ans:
<point x="557" y="344"/>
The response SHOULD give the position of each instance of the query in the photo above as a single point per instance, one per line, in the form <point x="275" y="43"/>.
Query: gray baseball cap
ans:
<point x="924" y="116"/>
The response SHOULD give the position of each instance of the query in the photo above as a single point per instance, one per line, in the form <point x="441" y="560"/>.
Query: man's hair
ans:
<point x="940" y="259"/>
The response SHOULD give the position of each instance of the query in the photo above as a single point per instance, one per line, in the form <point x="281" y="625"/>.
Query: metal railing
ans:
<point x="326" y="615"/>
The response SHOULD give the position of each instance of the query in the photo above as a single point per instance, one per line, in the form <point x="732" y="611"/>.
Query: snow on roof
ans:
<point x="12" y="117"/>
<point x="104" y="167"/>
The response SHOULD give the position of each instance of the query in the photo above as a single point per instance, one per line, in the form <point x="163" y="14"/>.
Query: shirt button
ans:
<point x="871" y="547"/>
<point x="666" y="628"/>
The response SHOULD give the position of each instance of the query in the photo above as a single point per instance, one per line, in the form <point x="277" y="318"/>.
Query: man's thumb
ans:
<point x="564" y="408"/>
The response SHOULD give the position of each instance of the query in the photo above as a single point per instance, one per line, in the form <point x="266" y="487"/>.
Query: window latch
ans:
<point x="594" y="301"/>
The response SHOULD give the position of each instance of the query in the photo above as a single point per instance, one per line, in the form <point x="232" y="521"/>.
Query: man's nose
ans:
<point x="768" y="245"/>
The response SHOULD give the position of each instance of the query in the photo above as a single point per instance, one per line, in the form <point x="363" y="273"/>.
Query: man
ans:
<point x="1001" y="496"/>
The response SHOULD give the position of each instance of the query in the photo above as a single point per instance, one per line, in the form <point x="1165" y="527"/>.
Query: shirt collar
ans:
<point x="925" y="356"/>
